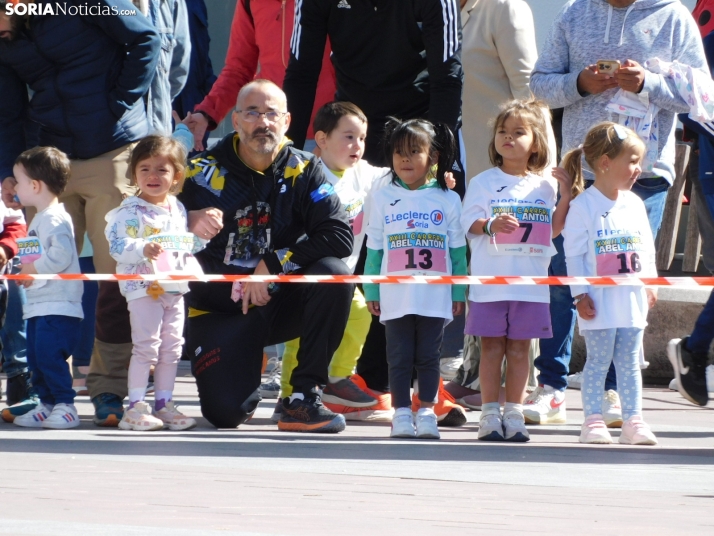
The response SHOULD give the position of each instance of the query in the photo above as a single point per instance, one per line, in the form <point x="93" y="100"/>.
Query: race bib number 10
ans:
<point x="618" y="255"/>
<point x="531" y="238"/>
<point x="416" y="254"/>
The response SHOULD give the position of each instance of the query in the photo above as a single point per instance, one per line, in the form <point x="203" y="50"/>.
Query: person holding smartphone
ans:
<point x="587" y="33"/>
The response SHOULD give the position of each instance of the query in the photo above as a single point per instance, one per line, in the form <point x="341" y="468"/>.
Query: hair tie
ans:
<point x="580" y="147"/>
<point x="620" y="131"/>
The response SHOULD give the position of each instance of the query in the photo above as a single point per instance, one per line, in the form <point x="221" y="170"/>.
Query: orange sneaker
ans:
<point x="381" y="411"/>
<point x="448" y="412"/>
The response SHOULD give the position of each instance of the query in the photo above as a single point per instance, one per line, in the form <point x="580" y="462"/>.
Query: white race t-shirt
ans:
<point x="415" y="229"/>
<point x="526" y="251"/>
<point x="604" y="237"/>
<point x="352" y="189"/>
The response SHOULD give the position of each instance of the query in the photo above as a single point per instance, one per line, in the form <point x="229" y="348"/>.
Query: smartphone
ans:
<point x="607" y="66"/>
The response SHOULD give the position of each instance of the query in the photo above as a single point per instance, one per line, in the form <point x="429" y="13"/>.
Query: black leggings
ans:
<point x="227" y="349"/>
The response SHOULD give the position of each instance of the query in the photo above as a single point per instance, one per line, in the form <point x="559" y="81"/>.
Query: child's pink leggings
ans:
<point x="156" y="332"/>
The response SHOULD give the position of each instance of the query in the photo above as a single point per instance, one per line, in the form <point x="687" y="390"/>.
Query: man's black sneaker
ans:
<point x="690" y="371"/>
<point x="309" y="415"/>
<point x="18" y="388"/>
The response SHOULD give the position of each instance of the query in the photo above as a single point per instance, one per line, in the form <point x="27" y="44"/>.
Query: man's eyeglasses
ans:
<point x="251" y="116"/>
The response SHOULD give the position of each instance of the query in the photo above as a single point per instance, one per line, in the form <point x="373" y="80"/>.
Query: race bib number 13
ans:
<point x="416" y="253"/>
<point x="533" y="235"/>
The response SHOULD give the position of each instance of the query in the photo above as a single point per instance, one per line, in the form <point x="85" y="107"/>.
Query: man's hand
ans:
<point x="197" y="124"/>
<point x="3" y="257"/>
<point x="373" y="308"/>
<point x="590" y="81"/>
<point x="152" y="250"/>
<point x="651" y="297"/>
<point x="205" y="223"/>
<point x="256" y="293"/>
<point x="631" y="76"/>
<point x="457" y="308"/>
<point x="586" y="307"/>
<point x="504" y="223"/>
<point x="27" y="269"/>
<point x="8" y="193"/>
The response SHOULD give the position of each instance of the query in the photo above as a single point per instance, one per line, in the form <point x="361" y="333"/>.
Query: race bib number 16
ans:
<point x="533" y="235"/>
<point x="618" y="255"/>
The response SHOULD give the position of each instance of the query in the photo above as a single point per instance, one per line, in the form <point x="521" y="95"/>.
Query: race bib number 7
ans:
<point x="416" y="254"/>
<point x="533" y="236"/>
<point x="618" y="255"/>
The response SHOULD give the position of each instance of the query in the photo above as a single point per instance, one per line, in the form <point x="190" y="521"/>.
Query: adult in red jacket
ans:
<point x="260" y="39"/>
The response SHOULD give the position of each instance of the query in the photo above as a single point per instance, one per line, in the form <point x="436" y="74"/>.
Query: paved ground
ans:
<point x="256" y="480"/>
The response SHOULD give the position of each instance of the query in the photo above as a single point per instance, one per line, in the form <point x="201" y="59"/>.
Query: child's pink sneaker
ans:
<point x="140" y="419"/>
<point x="636" y="432"/>
<point x="173" y="418"/>
<point x="594" y="431"/>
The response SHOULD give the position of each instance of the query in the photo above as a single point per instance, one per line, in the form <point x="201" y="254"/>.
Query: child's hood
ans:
<point x="133" y="203"/>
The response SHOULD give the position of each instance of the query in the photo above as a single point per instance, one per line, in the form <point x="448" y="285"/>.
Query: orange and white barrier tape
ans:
<point x="679" y="282"/>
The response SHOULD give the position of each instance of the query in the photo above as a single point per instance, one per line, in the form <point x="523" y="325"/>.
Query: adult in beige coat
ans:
<point x="498" y="55"/>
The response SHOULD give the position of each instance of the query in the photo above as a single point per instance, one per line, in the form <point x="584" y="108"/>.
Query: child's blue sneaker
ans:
<point x="108" y="409"/>
<point x="11" y="412"/>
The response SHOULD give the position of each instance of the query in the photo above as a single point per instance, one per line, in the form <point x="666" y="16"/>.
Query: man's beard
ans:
<point x="264" y="141"/>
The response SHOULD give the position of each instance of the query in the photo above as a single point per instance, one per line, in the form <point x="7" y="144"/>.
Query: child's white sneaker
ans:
<point x="636" y="432"/>
<point x="594" y="431"/>
<point x="403" y="423"/>
<point x="612" y="409"/>
<point x="514" y="427"/>
<point x="139" y="418"/>
<point x="34" y="418"/>
<point x="426" y="427"/>
<point x="63" y="416"/>
<point x="490" y="427"/>
<point x="173" y="418"/>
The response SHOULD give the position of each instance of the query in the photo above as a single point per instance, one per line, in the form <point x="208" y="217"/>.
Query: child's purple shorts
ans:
<point x="512" y="319"/>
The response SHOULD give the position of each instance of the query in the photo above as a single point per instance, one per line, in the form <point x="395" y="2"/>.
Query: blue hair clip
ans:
<point x="620" y="131"/>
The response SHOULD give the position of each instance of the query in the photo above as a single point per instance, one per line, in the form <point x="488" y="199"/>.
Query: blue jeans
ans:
<point x="50" y="341"/>
<point x="13" y="333"/>
<point x="553" y="363"/>
<point x="701" y="338"/>
<point x="83" y="351"/>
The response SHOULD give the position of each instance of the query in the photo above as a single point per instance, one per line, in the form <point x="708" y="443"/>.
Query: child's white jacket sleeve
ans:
<point x="122" y="232"/>
<point x="474" y="207"/>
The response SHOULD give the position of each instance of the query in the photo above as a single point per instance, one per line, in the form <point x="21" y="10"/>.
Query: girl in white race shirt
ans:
<point x="510" y="216"/>
<point x="414" y="230"/>
<point x="607" y="234"/>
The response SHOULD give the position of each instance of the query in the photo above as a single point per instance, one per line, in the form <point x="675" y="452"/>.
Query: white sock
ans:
<point x="297" y="396"/>
<point x="136" y="395"/>
<point x="425" y="411"/>
<point x="512" y="406"/>
<point x="490" y="408"/>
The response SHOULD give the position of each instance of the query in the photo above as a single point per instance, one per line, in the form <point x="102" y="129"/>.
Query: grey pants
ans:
<point x="413" y="341"/>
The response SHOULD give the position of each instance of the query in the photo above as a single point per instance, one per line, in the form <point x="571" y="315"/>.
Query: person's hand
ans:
<point x="631" y="76"/>
<point x="373" y="308"/>
<point x="197" y="124"/>
<point x="205" y="223"/>
<point x="27" y="269"/>
<point x="450" y="180"/>
<point x="256" y="292"/>
<point x="593" y="82"/>
<point x="586" y="307"/>
<point x="152" y="250"/>
<point x="8" y="193"/>
<point x="3" y="257"/>
<point x="565" y="181"/>
<point x="504" y="223"/>
<point x="457" y="308"/>
<point x="651" y="297"/>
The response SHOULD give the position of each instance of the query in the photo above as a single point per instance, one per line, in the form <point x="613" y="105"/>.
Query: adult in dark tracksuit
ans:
<point x="267" y="209"/>
<point x="88" y="73"/>
<point x="400" y="59"/>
